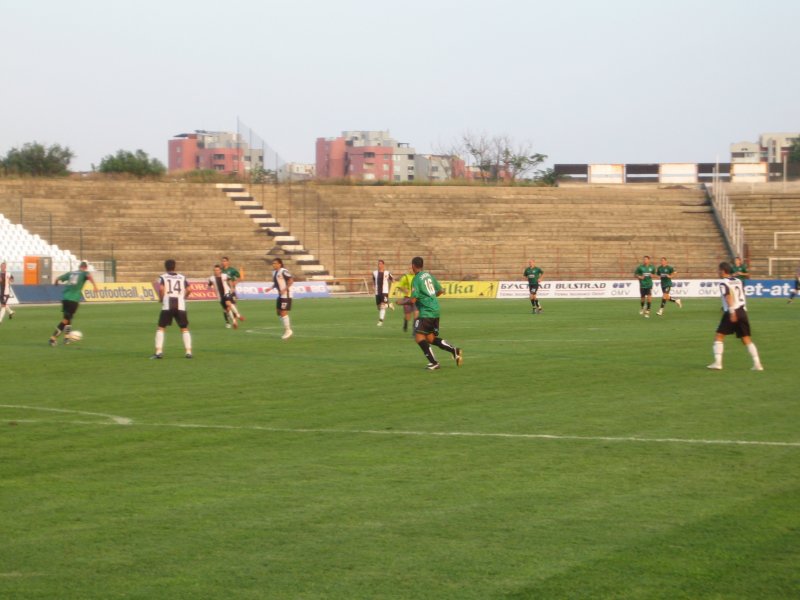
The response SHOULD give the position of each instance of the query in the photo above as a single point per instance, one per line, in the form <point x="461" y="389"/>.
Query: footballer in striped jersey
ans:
<point x="173" y="289"/>
<point x="222" y="285"/>
<point x="734" y="318"/>
<point x="6" y="279"/>
<point x="282" y="283"/>
<point x="382" y="280"/>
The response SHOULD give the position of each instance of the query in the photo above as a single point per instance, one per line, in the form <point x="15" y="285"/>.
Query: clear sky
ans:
<point x="582" y="81"/>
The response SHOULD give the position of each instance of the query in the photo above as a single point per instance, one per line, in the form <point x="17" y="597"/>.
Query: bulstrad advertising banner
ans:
<point x="627" y="288"/>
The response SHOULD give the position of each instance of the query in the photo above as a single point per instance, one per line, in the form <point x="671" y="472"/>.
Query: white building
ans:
<point x="770" y="148"/>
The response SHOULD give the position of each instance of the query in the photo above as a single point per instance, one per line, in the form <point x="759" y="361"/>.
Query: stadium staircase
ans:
<point x="300" y="262"/>
<point x="763" y="210"/>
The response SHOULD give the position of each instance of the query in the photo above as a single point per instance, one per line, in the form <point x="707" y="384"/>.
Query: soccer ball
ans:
<point x="75" y="336"/>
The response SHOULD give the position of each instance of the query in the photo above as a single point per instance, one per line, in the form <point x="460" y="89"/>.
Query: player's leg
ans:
<point x="533" y="301"/>
<point x="717" y="348"/>
<point x="64" y="326"/>
<point x="183" y="322"/>
<point x="230" y="316"/>
<point x="423" y="336"/>
<point x="743" y="333"/>
<point x="284" y="306"/>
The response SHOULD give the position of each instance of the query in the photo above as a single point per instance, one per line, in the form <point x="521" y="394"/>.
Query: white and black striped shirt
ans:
<point x="280" y="281"/>
<point x="382" y="280"/>
<point x="174" y="285"/>
<point x="734" y="287"/>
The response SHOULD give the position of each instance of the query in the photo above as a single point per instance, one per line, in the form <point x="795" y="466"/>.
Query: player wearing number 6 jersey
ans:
<point x="734" y="318"/>
<point x="424" y="292"/>
<point x="173" y="289"/>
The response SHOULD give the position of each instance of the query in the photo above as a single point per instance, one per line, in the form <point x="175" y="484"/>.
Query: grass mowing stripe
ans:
<point x="475" y="434"/>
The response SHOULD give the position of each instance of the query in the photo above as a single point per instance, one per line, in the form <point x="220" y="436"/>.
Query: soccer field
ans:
<point x="582" y="453"/>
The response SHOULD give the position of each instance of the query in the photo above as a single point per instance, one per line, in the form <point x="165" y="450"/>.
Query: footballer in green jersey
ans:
<point x="534" y="276"/>
<point x="666" y="273"/>
<point x="425" y="290"/>
<point x="70" y="299"/>
<point x="740" y="270"/>
<point x="644" y="273"/>
<point x="233" y="278"/>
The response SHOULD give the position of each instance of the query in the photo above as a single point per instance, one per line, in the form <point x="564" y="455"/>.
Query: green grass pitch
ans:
<point x="582" y="453"/>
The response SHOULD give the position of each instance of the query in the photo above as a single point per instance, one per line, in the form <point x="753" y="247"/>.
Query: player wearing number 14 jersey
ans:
<point x="173" y="289"/>
<point x="424" y="292"/>
<point x="734" y="318"/>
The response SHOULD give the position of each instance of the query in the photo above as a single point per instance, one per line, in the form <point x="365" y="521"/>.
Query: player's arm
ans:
<point x="160" y="289"/>
<point x="90" y="278"/>
<point x="731" y="311"/>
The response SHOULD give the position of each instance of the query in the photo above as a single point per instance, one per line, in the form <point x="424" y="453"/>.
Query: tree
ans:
<point x="547" y="177"/>
<point x="497" y="157"/>
<point x="38" y="161"/>
<point x="794" y="151"/>
<point x="136" y="163"/>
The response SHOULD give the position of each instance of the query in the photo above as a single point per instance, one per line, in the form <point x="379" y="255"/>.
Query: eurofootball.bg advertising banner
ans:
<point x="120" y="292"/>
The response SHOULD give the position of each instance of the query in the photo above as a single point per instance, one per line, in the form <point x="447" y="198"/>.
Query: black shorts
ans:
<point x="741" y="328"/>
<point x="4" y="299"/>
<point x="665" y="290"/>
<point x="645" y="291"/>
<point x="225" y="299"/>
<point x="180" y="317"/>
<point x="427" y="325"/>
<point x="533" y="288"/>
<point x="69" y="308"/>
<point x="283" y="304"/>
<point x="381" y="299"/>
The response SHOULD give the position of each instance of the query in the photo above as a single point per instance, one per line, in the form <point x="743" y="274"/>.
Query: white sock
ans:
<point x="187" y="341"/>
<point x="718" y="349"/>
<point x="159" y="341"/>
<point x="751" y="348"/>
<point x="235" y="310"/>
<point x="381" y="314"/>
<point x="2" y="314"/>
<point x="286" y="325"/>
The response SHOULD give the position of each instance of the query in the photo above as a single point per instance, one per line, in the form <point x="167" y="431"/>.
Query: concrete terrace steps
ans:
<point x="138" y="222"/>
<point x="288" y="245"/>
<point x="460" y="229"/>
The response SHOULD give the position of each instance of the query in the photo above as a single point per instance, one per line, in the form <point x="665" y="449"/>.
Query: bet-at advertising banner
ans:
<point x="627" y="288"/>
<point x="120" y="292"/>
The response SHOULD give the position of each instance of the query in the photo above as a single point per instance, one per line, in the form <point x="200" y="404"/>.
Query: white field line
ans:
<point x="400" y="432"/>
<point x="310" y="335"/>
<point x="117" y="420"/>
